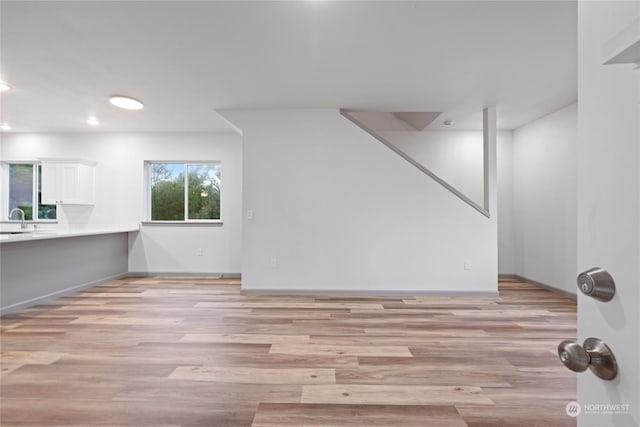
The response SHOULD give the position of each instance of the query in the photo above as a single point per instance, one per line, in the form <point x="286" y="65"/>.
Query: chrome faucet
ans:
<point x="23" y="225"/>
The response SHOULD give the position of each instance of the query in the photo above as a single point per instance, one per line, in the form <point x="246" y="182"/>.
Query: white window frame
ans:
<point x="34" y="196"/>
<point x="186" y="220"/>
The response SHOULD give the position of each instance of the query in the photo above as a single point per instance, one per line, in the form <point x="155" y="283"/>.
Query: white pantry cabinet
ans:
<point x="68" y="183"/>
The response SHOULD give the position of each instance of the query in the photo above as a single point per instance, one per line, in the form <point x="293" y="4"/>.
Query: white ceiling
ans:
<point x="186" y="59"/>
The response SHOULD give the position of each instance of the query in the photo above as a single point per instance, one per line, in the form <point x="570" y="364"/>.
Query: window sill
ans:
<point x="212" y="223"/>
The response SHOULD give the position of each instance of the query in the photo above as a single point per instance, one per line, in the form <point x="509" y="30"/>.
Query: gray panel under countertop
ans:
<point x="34" y="271"/>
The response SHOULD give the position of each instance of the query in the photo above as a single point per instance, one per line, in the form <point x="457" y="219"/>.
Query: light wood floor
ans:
<point x="196" y="352"/>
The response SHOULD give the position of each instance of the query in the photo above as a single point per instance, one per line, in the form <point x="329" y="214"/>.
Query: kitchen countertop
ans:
<point x="46" y="234"/>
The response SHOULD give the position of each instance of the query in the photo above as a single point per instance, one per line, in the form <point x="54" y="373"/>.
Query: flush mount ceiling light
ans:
<point x="126" y="102"/>
<point x="4" y="87"/>
<point x="5" y="126"/>
<point x="92" y="121"/>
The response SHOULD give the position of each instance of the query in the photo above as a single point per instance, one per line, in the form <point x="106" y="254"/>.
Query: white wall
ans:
<point x="544" y="199"/>
<point x="120" y="194"/>
<point x="609" y="206"/>
<point x="334" y="209"/>
<point x="506" y="232"/>
<point x="455" y="156"/>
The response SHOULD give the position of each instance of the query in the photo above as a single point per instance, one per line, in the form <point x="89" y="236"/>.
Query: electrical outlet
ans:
<point x="467" y="264"/>
<point x="199" y="252"/>
<point x="274" y="263"/>
<point x="250" y="215"/>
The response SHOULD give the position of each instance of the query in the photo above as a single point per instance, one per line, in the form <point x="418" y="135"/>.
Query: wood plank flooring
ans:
<point x="197" y="352"/>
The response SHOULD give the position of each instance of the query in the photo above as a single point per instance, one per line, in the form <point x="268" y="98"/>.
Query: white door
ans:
<point x="609" y="206"/>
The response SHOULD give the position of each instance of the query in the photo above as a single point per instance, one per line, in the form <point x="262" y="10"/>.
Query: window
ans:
<point x="25" y="192"/>
<point x="184" y="191"/>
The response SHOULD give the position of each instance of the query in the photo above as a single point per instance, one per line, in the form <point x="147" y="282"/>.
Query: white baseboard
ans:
<point x="369" y="293"/>
<point x="179" y="274"/>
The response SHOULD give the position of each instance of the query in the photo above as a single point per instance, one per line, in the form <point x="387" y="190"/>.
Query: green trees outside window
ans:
<point x="25" y="191"/>
<point x="185" y="191"/>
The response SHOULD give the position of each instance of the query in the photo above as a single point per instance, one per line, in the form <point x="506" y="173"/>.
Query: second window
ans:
<point x="184" y="191"/>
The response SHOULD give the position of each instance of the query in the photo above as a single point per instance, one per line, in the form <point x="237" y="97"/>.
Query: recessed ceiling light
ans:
<point x="4" y="87"/>
<point x="92" y="121"/>
<point x="5" y="126"/>
<point x="126" y="102"/>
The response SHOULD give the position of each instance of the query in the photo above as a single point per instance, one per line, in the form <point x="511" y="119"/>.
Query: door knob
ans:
<point x="593" y="354"/>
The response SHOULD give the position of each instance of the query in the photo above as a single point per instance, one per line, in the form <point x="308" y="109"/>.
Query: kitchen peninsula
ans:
<point x="41" y="265"/>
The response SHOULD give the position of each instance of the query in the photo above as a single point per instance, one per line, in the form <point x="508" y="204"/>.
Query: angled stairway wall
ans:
<point x="454" y="157"/>
<point x="328" y="208"/>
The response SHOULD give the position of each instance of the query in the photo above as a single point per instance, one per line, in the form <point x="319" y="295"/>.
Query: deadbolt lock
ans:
<point x="597" y="283"/>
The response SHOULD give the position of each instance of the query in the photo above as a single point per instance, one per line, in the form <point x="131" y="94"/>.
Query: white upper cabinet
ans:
<point x="68" y="183"/>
